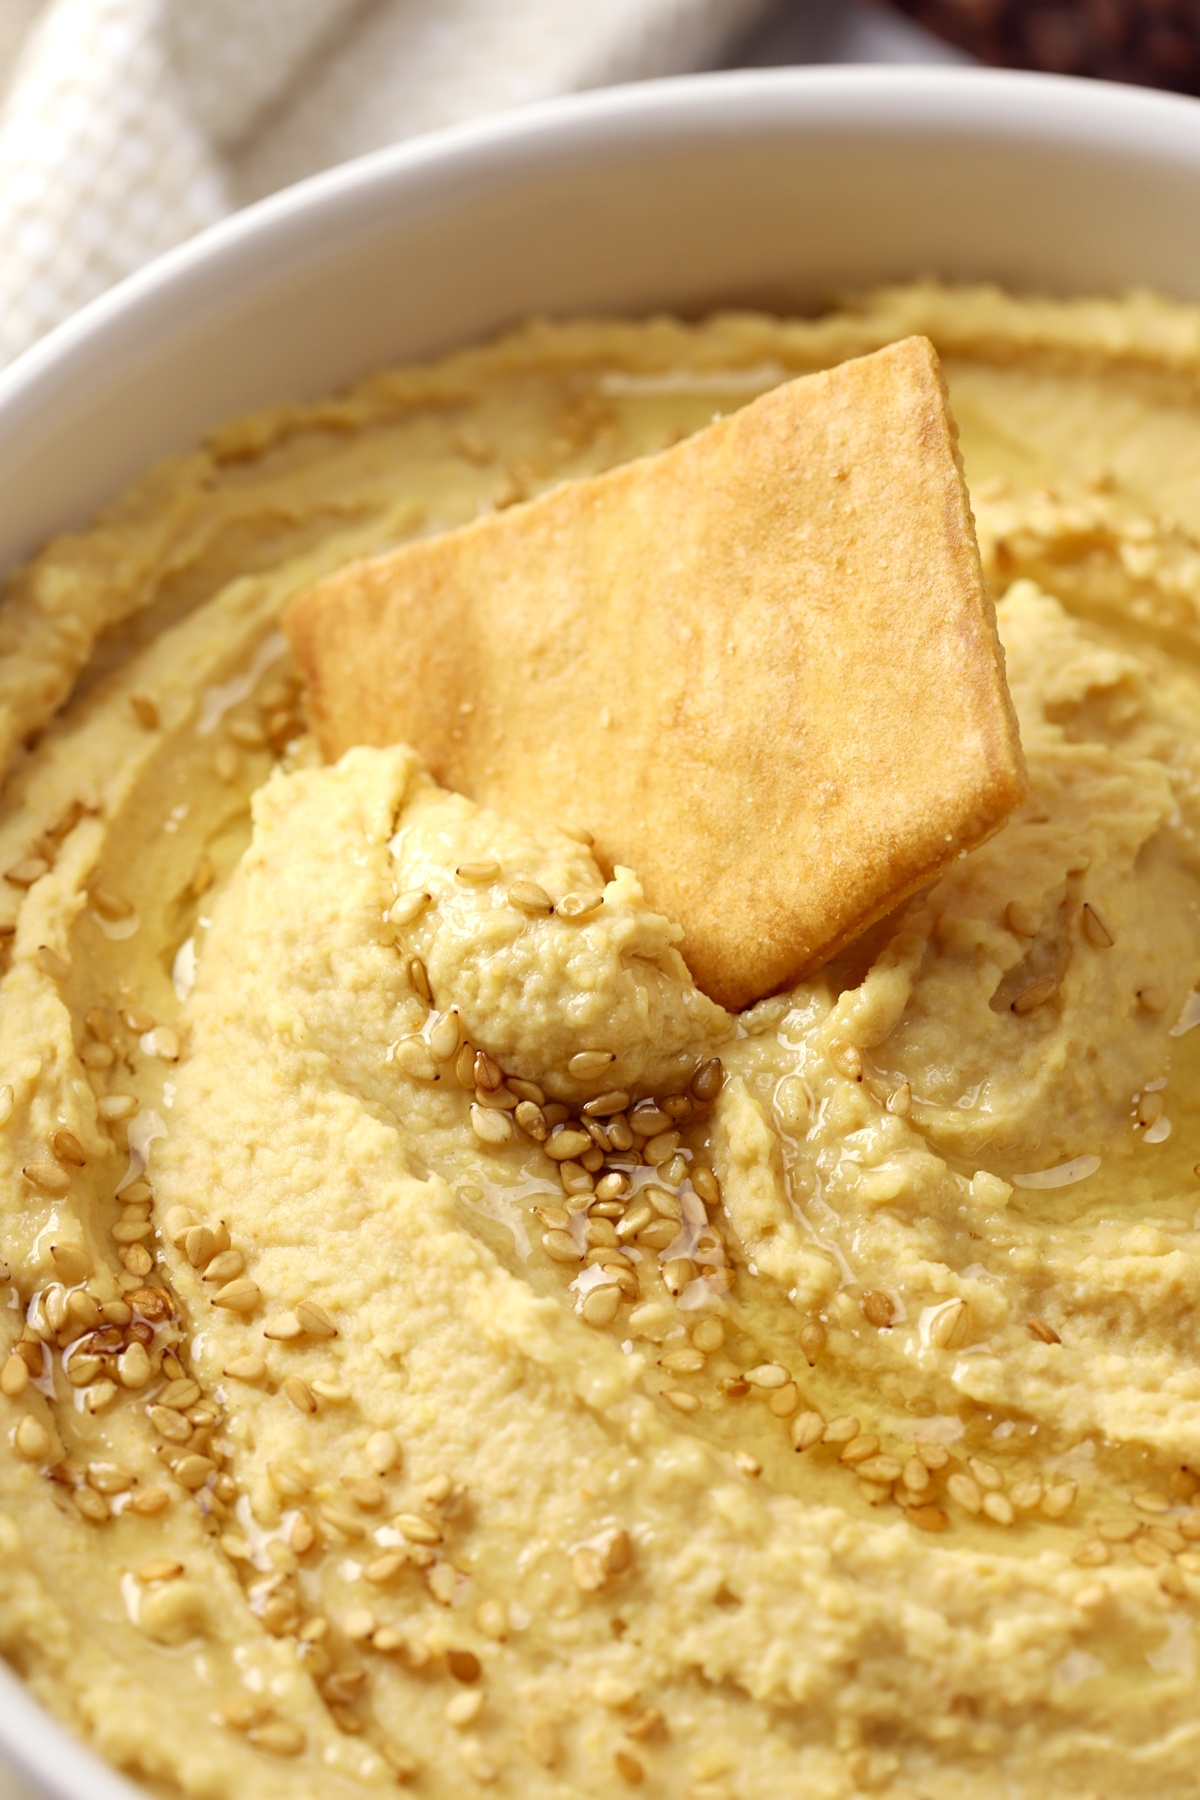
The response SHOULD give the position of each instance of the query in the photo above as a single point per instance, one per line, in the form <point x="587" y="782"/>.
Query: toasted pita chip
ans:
<point x="761" y="667"/>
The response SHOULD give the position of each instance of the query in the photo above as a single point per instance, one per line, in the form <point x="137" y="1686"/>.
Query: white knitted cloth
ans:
<point x="126" y="125"/>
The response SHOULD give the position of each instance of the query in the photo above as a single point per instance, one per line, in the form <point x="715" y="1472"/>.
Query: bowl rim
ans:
<point x="278" y="229"/>
<point x="285" y="228"/>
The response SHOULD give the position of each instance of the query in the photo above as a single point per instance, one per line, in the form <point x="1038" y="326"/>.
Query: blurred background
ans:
<point x="127" y="125"/>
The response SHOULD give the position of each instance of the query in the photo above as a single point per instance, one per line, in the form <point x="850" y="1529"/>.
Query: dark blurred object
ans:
<point x="1153" y="42"/>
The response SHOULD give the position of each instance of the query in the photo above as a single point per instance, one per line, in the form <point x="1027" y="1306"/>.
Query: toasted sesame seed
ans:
<point x="418" y="977"/>
<point x="1059" y="1498"/>
<point x="408" y="907"/>
<point x="566" y="1143"/>
<point x="477" y="874"/>
<point x="966" y="1491"/>
<point x="860" y="1449"/>
<point x="1150" y="1109"/>
<point x="462" y="1710"/>
<point x="161" y="1569"/>
<point x="1092" y="1555"/>
<point x="677" y="1274"/>
<point x="240" y="1295"/>
<point x="585" y="1065"/>
<point x="768" y="1375"/>
<point x="579" y="905"/>
<point x="445" y="1036"/>
<point x="842" y="1430"/>
<point x="418" y="1529"/>
<point x="528" y="898"/>
<point x="182" y="1392"/>
<point x="114" y="1108"/>
<point x="225" y="1265"/>
<point x="14" y="1376"/>
<point x="23" y="874"/>
<point x="929" y="1518"/>
<point x="1045" y="1334"/>
<point x="1096" y="928"/>
<point x="628" y="1768"/>
<point x="279" y="1737"/>
<point x="145" y="711"/>
<point x="685" y="1361"/>
<point x="491" y="1126"/>
<point x="48" y="1177"/>
<point x="899" y="1101"/>
<point x="464" y="1665"/>
<point x="660" y="1148"/>
<point x="986" y="1474"/>
<point x="878" y="1309"/>
<point x="561" y="1247"/>
<point x="300" y="1394"/>
<point x="315" y="1320"/>
<point x="1035" y="995"/>
<point x="284" y="1328"/>
<point x="149" y="1501"/>
<point x="707" y="1079"/>
<point x="133" y="1367"/>
<point x="93" y="1507"/>
<point x="169" y="1424"/>
<point x="846" y="1058"/>
<point x="162" y="1043"/>
<point x="600" y="1304"/>
<point x="31" y="1440"/>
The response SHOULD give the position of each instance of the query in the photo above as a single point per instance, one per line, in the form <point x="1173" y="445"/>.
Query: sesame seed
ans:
<point x="561" y="1247"/>
<point x="1153" y="998"/>
<point x="1096" y="929"/>
<point x="846" y="1058"/>
<point x="491" y="1126"/>
<point x="528" y="898"/>
<point x="1152" y="1503"/>
<point x="812" y="1342"/>
<point x="409" y="906"/>
<point x="48" y="1177"/>
<point x="532" y="1120"/>
<point x="600" y="1305"/>
<point x="477" y="874"/>
<point x="1026" y="1495"/>
<point x="31" y="1440"/>
<point x="579" y="905"/>
<point x="878" y="1308"/>
<point x="133" y="1367"/>
<point x="899" y="1101"/>
<point x="162" y="1043"/>
<point x="463" y="1709"/>
<point x="566" y="1143"/>
<point x="929" y="1518"/>
<point x="283" y="1328"/>
<point x="23" y="874"/>
<point x="1118" y="1531"/>
<point x="97" y="1056"/>
<point x="585" y="1065"/>
<point x="417" y="1529"/>
<point x="707" y="1079"/>
<point x="1035" y="995"/>
<point x="860" y="1449"/>
<point x="1059" y="1498"/>
<point x="526" y="1090"/>
<point x="144" y="711"/>
<point x="767" y="1375"/>
<point x="492" y="1619"/>
<point x="998" y="1508"/>
<point x="986" y="1474"/>
<point x="315" y="1320"/>
<point x="418" y="977"/>
<point x="14" y="1376"/>
<point x="300" y="1394"/>
<point x="628" y="1768"/>
<point x="383" y="1569"/>
<point x="52" y="964"/>
<point x="487" y="1071"/>
<point x="682" y="1403"/>
<point x="677" y="1274"/>
<point x="109" y="904"/>
<point x="382" y="1452"/>
<point x="225" y="1265"/>
<point x="965" y="1490"/>
<point x="360" y="1622"/>
<point x="1092" y="1555"/>
<point x="464" y="1665"/>
<point x="445" y="1036"/>
<point x="278" y="1737"/>
<point x="114" y="1108"/>
<point x="1045" y="1334"/>
<point x="660" y="1148"/>
<point x="193" y="1471"/>
<point x="842" y="1430"/>
<point x="162" y="1569"/>
<point x="240" y="1296"/>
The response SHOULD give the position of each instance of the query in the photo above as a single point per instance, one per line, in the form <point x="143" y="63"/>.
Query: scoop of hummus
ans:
<point x="444" y="1348"/>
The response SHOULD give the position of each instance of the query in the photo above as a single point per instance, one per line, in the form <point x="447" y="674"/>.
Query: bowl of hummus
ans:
<point x="445" y="1349"/>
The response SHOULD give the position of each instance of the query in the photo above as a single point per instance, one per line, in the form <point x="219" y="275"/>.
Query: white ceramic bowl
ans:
<point x="775" y="188"/>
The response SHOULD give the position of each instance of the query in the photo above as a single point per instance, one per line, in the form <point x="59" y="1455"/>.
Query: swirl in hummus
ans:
<point x="445" y="1348"/>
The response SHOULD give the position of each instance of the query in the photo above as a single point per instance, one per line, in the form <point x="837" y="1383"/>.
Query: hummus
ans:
<point x="443" y="1347"/>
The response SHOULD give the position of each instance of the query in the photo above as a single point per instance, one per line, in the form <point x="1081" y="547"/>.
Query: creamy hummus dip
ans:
<point x="443" y="1347"/>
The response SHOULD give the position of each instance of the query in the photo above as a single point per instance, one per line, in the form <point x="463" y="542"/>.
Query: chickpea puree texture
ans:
<point x="445" y="1349"/>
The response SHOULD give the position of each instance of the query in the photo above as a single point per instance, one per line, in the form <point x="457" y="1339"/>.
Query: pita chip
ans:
<point x="760" y="667"/>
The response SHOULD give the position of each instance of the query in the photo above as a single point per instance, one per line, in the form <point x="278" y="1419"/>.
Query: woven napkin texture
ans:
<point x="127" y="125"/>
